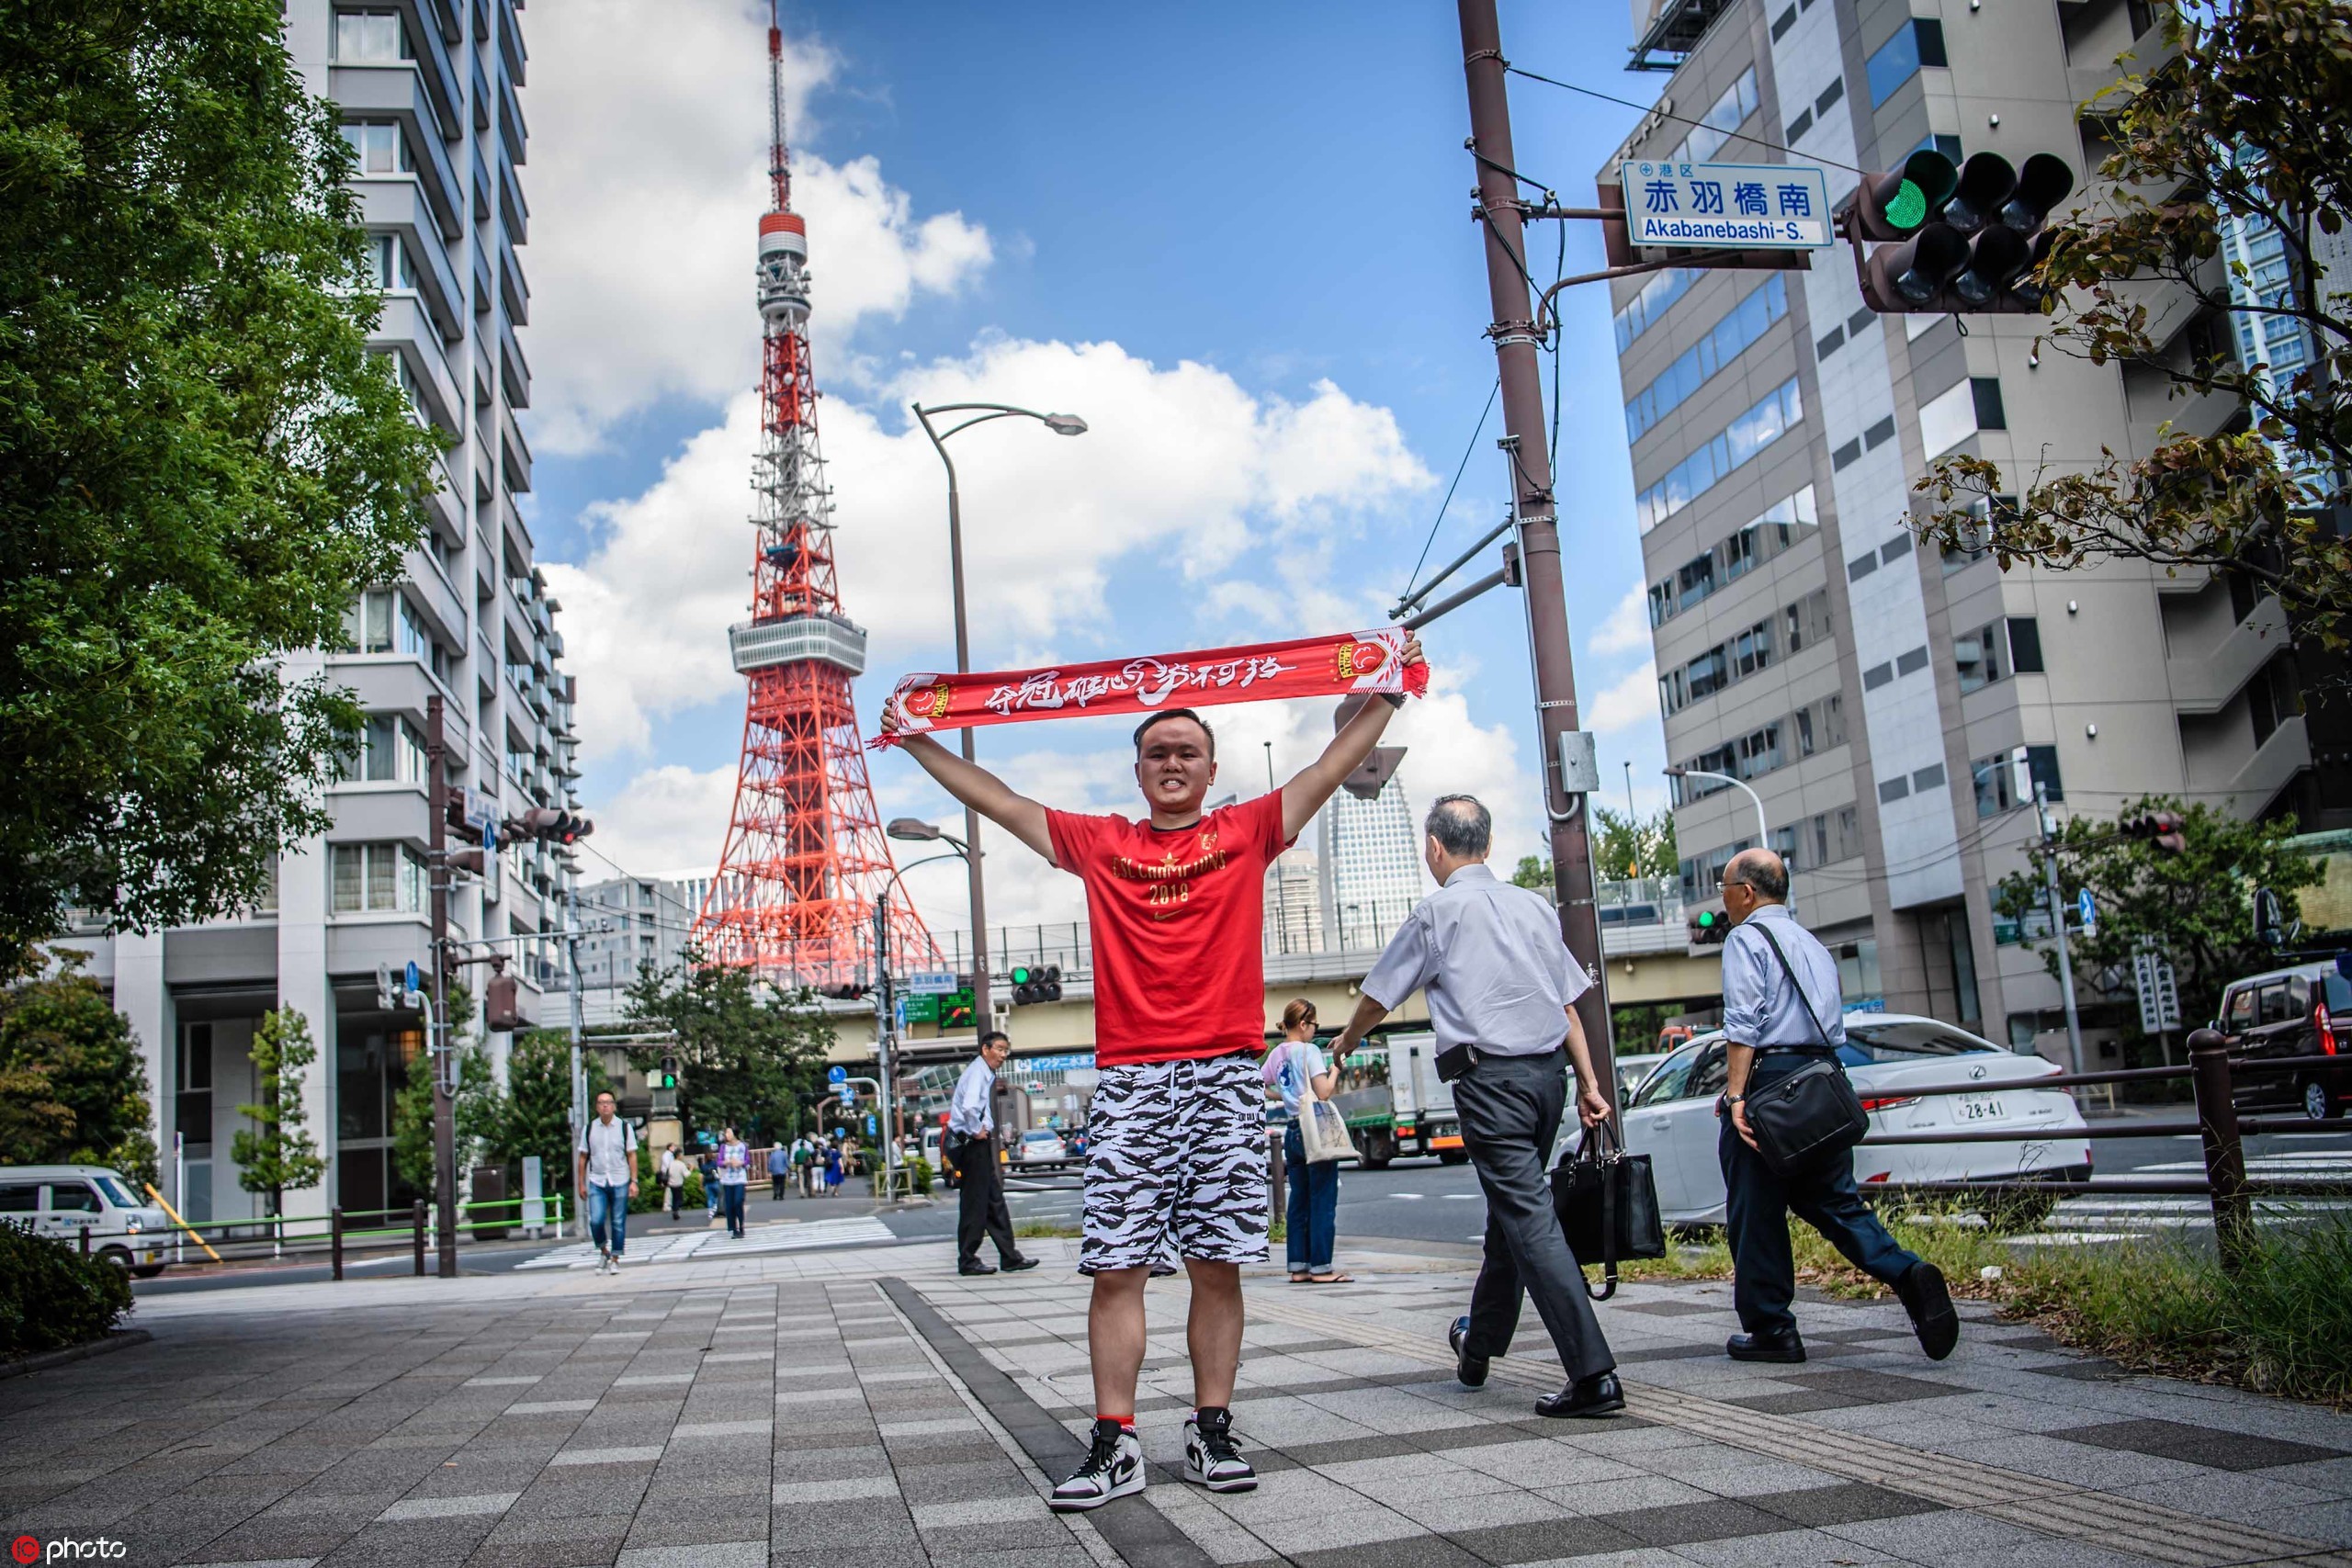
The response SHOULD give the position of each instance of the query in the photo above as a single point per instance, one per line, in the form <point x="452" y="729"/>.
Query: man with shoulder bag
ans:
<point x="1790" y="1119"/>
<point x="1501" y="988"/>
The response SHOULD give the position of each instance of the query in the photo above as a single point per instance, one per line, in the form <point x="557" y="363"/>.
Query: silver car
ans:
<point x="1671" y="1117"/>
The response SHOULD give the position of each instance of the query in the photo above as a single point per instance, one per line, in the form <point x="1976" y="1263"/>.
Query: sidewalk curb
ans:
<point x="115" y="1340"/>
<point x="1139" y="1533"/>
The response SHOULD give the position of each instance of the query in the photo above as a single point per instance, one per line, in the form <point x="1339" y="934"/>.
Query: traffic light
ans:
<point x="847" y="991"/>
<point x="547" y="823"/>
<point x="502" y="1005"/>
<point x="1956" y="239"/>
<point x="666" y="1076"/>
<point x="2167" y="828"/>
<point x="1037" y="985"/>
<point x="1708" y="926"/>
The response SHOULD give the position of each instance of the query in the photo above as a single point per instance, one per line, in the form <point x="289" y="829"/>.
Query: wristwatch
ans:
<point x="1394" y="699"/>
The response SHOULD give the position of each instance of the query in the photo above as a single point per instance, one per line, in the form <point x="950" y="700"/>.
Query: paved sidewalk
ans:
<point x="867" y="1407"/>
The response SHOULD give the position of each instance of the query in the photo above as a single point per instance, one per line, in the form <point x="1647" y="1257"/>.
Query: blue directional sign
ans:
<point x="869" y="1124"/>
<point x="415" y="978"/>
<point x="2086" y="910"/>
<point x="837" y="1074"/>
<point x="1732" y="207"/>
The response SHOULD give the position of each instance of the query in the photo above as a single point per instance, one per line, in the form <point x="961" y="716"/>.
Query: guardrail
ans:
<point x="340" y="1232"/>
<point x="2218" y="1127"/>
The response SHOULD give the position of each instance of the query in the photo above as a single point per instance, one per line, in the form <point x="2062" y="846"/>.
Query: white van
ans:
<point x="64" y="1200"/>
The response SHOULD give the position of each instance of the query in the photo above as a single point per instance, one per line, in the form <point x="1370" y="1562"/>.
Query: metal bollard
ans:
<point x="335" y="1239"/>
<point x="2217" y="1127"/>
<point x="417" y="1219"/>
<point x="84" y="1233"/>
<point x="1278" y="1176"/>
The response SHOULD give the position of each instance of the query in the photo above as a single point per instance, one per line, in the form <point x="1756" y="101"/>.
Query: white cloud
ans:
<point x="1627" y="628"/>
<point x="666" y="819"/>
<point x="646" y="197"/>
<point x="1180" y="467"/>
<point x="1627" y="704"/>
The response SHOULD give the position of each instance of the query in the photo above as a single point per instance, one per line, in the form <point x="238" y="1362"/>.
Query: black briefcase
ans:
<point x="1607" y="1202"/>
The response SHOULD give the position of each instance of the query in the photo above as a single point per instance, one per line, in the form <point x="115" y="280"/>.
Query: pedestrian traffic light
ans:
<point x="1037" y="985"/>
<point x="666" y="1077"/>
<point x="2166" y="828"/>
<point x="1708" y="926"/>
<point x="1956" y="239"/>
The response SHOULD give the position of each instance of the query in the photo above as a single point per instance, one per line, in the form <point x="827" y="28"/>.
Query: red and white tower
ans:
<point x="804" y="856"/>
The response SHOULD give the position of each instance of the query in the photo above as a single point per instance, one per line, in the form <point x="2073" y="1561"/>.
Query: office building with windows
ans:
<point x="1873" y="693"/>
<point x="627" y="925"/>
<point x="1294" y="902"/>
<point x="428" y="91"/>
<point x="1369" y="852"/>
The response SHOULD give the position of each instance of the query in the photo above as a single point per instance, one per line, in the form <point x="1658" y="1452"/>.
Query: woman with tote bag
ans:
<point x="1296" y="1070"/>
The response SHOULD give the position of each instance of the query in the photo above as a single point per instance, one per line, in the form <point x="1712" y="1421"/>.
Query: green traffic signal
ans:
<point x="1706" y="919"/>
<point x="1909" y="208"/>
<point x="1020" y="977"/>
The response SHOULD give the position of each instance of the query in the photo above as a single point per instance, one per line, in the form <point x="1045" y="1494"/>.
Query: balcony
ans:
<point x="397" y="92"/>
<point x="518" y="536"/>
<point x="510" y="43"/>
<point x="514" y="454"/>
<point x="433" y="65"/>
<point x="482" y="295"/>
<point x="444" y="510"/>
<point x="516" y="134"/>
<point x="512" y="206"/>
<point x="2204" y="682"/>
<point x="481" y="97"/>
<point x="403" y="327"/>
<point x="514" y="370"/>
<point x="397" y="206"/>
<point x="513" y="287"/>
<point x="435" y="599"/>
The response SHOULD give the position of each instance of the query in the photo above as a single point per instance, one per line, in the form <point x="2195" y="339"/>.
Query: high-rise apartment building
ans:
<point x="428" y="93"/>
<point x="628" y="924"/>
<point x="1294" y="902"/>
<point x="1870" y="691"/>
<point x="1371" y="857"/>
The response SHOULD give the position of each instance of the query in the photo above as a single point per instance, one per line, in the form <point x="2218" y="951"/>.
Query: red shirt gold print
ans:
<point x="1177" y="919"/>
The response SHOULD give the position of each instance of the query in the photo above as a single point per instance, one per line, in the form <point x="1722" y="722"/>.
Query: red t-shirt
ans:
<point x="1177" y="918"/>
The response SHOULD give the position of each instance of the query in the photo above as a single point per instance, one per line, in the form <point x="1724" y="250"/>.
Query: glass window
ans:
<point x="1715" y="126"/>
<point x="2237" y="1008"/>
<point x="2025" y="646"/>
<point x="380" y="146"/>
<point x="1647" y="307"/>
<point x="1745" y="436"/>
<point x="2041" y="764"/>
<point x="1978" y="655"/>
<point x="115" y="1192"/>
<point x="1670" y="1079"/>
<point x="2278" y="1004"/>
<point x="1991" y="777"/>
<point x="1985" y="392"/>
<point x="72" y="1198"/>
<point x="1745" y="322"/>
<point x="19" y="1196"/>
<point x="1899" y="58"/>
<point x="376" y="879"/>
<point x="369" y="38"/>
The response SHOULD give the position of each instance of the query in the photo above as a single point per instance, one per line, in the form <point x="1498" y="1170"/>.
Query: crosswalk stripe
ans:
<point x="803" y="1238"/>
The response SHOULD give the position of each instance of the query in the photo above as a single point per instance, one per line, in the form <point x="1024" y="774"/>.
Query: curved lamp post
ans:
<point x="972" y="414"/>
<point x="1763" y="830"/>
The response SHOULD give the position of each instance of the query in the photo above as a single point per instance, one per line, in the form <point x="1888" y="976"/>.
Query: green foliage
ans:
<point x="205" y="463"/>
<point x="73" y="1085"/>
<point x="482" y="1114"/>
<point x="1630" y="846"/>
<point x="2241" y="116"/>
<point x="53" y="1297"/>
<point x="2196" y="907"/>
<point x="651" y="1195"/>
<point x="919" y="1171"/>
<point x="538" y="1103"/>
<point x="747" y="1051"/>
<point x="278" y="1151"/>
<point x="1534" y="872"/>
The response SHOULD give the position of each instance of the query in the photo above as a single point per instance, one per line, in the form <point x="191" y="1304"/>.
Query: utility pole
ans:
<point x="439" y="1046"/>
<point x="578" y="1017"/>
<point x="1516" y="340"/>
<point x="2058" y="926"/>
<point x="884" y="1024"/>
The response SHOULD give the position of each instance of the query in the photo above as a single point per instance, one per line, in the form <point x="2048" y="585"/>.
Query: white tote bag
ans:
<point x="1321" y="1128"/>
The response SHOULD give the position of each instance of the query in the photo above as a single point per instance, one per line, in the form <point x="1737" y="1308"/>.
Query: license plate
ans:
<point x="1979" y="1108"/>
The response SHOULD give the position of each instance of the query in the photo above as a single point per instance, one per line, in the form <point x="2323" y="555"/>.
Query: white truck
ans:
<point x="1395" y="1105"/>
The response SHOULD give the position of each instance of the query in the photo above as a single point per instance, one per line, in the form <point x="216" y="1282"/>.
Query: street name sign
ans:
<point x="1727" y="206"/>
<point x="929" y="985"/>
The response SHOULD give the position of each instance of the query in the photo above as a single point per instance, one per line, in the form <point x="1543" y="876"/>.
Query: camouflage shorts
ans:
<point x="1176" y="1165"/>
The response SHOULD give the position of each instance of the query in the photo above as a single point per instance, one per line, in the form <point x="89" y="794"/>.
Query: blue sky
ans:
<point x="1235" y="238"/>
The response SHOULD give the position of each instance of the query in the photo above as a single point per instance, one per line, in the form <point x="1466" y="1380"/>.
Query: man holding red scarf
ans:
<point x="1177" y="1144"/>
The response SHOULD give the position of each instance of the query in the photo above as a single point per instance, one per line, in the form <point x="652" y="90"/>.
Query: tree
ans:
<point x="2195" y="907"/>
<point x="1629" y="846"/>
<point x="204" y="463"/>
<point x="278" y="1151"/>
<point x="538" y="1103"/>
<point x="481" y="1115"/>
<point x="72" y="1084"/>
<point x="2242" y="119"/>
<point x="1534" y="871"/>
<point x="747" y="1051"/>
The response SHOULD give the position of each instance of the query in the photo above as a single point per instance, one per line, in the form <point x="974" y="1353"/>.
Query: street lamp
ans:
<point x="1763" y="830"/>
<point x="914" y="831"/>
<point x="975" y="413"/>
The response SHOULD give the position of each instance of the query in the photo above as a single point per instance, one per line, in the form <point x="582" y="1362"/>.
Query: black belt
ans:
<point x="1455" y="1061"/>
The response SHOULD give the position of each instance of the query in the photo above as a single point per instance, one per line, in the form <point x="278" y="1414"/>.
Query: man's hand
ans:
<point x="1592" y="1107"/>
<point x="1412" y="654"/>
<point x="891" y="714"/>
<point x="632" y="1187"/>
<point x="1739" y="1125"/>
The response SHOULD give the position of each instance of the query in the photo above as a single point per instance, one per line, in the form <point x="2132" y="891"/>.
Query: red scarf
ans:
<point x="1303" y="667"/>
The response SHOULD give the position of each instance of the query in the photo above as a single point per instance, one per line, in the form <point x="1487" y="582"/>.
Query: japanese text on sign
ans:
<point x="1782" y="206"/>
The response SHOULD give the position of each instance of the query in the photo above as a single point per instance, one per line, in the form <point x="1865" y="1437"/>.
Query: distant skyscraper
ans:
<point x="1372" y="865"/>
<point x="1294" y="903"/>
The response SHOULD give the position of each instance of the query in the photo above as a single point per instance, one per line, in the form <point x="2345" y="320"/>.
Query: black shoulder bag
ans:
<point x="1607" y="1202"/>
<point x="1813" y="1115"/>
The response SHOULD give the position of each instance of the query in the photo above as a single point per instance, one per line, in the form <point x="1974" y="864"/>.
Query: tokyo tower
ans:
<point x="804" y="856"/>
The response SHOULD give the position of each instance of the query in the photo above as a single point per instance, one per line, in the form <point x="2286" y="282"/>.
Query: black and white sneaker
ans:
<point x="1210" y="1460"/>
<point x="1114" y="1468"/>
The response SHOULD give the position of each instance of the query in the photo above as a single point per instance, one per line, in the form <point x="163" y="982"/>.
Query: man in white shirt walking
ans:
<point x="971" y="1144"/>
<point x="607" y="1175"/>
<point x="1501" y="987"/>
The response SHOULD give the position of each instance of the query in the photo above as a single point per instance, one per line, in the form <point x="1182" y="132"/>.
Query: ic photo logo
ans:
<point x="26" y="1549"/>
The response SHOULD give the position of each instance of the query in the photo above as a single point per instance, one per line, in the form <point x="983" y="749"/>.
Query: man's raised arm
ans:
<point x="975" y="786"/>
<point x="1305" y="796"/>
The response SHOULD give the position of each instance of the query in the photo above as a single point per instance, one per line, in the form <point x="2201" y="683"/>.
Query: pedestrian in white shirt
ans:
<point x="607" y="1175"/>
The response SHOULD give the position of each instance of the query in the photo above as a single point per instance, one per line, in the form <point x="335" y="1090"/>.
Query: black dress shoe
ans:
<point x="1015" y="1265"/>
<point x="1782" y="1346"/>
<point x="975" y="1267"/>
<point x="1470" y="1369"/>
<point x="1929" y="1304"/>
<point x="1595" y="1396"/>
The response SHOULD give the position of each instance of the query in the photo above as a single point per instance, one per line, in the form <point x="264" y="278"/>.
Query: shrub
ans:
<point x="52" y="1297"/>
<point x="653" y="1195"/>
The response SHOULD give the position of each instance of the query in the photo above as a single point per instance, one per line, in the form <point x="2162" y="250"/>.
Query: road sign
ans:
<point x="929" y="985"/>
<point x="414" y="977"/>
<point x="899" y="1014"/>
<point x="837" y="1074"/>
<point x="869" y="1124"/>
<point x="1727" y="206"/>
<point x="2086" y="912"/>
<point x="2152" y="978"/>
<point x="920" y="1010"/>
